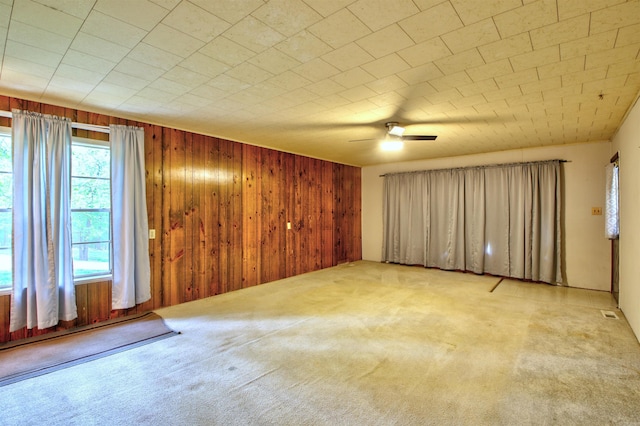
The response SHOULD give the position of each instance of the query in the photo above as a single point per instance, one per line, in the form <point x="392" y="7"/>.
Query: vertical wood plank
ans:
<point x="237" y="214"/>
<point x="5" y="317"/>
<point x="188" y="211"/>
<point x="213" y="221"/>
<point x="250" y="216"/>
<point x="290" y="214"/>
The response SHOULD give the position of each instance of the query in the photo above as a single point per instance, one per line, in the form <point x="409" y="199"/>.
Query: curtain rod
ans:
<point x="80" y="126"/>
<point x="476" y="167"/>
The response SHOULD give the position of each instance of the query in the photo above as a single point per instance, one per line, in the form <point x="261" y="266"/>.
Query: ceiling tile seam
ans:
<point x="4" y="48"/>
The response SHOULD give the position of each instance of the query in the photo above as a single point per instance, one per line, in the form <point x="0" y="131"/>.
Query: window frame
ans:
<point x="8" y="290"/>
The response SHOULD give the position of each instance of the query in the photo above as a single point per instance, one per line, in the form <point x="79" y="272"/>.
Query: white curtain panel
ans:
<point x="43" y="289"/>
<point x="612" y="216"/>
<point x="131" y="266"/>
<point x="502" y="220"/>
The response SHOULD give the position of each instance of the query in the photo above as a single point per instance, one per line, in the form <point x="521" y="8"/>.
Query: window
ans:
<point x="90" y="209"/>
<point x="6" y="204"/>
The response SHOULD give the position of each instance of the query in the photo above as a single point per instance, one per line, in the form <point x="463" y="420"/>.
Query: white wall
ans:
<point x="588" y="252"/>
<point x="627" y="143"/>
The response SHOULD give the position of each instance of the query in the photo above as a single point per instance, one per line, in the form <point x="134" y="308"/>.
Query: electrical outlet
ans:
<point x="152" y="234"/>
<point x="596" y="211"/>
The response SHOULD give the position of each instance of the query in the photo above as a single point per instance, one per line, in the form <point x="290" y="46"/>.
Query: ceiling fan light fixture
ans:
<point x="391" y="145"/>
<point x="396" y="130"/>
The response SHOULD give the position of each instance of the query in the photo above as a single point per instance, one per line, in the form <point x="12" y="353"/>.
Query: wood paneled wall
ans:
<point x="220" y="210"/>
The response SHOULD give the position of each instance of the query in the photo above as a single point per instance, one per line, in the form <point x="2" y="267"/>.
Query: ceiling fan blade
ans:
<point x="362" y="140"/>
<point x="419" y="138"/>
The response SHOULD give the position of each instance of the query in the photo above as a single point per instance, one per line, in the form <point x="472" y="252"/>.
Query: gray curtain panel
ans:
<point x="502" y="220"/>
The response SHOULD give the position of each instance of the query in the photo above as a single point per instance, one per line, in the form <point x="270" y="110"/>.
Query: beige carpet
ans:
<point x="366" y="344"/>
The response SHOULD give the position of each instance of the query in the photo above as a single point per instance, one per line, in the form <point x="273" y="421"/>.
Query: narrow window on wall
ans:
<point x="6" y="204"/>
<point x="612" y="218"/>
<point x="91" y="209"/>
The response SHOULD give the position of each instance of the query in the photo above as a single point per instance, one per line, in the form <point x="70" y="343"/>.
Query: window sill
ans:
<point x="89" y="280"/>
<point x="5" y="292"/>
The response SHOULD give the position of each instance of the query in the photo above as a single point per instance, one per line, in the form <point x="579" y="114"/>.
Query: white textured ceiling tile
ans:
<point x="138" y="69"/>
<point x="445" y="96"/>
<point x="37" y="37"/>
<point x="32" y="54"/>
<point x="420" y="74"/>
<point x="529" y="99"/>
<point x="170" y="86"/>
<point x="85" y="76"/>
<point x="477" y="88"/>
<point x="474" y="35"/>
<point x="608" y="85"/>
<point x="72" y="84"/>
<point x="332" y="101"/>
<point x="490" y="70"/>
<point x="615" y="17"/>
<point x="580" y="77"/>
<point x="561" y="32"/>
<point x="231" y="11"/>
<point x="623" y="68"/>
<point x="387" y="84"/>
<point x="210" y="92"/>
<point x="140" y="13"/>
<point x="348" y="57"/>
<point x="386" y="41"/>
<point x="274" y="61"/>
<point x="339" y="29"/>
<point x="46" y="18"/>
<point x="173" y="41"/>
<point x="563" y="67"/>
<point x="469" y="101"/>
<point x="125" y="80"/>
<point x="27" y="67"/>
<point x="541" y="85"/>
<point x="377" y="14"/>
<point x="228" y="84"/>
<point x="441" y="19"/>
<point x="586" y="45"/>
<point x="185" y="77"/>
<point x="121" y="92"/>
<point x="316" y="70"/>
<point x="528" y="17"/>
<point x="195" y="21"/>
<point x="613" y="56"/>
<point x="561" y="92"/>
<point x="78" y="8"/>
<point x="628" y="35"/>
<point x="471" y="11"/>
<point x="156" y="95"/>
<point x="327" y="7"/>
<point x="99" y="47"/>
<point x="517" y="78"/>
<point x="451" y="81"/>
<point x="536" y="58"/>
<point x="384" y="67"/>
<point x="23" y="82"/>
<point x="227" y="51"/>
<point x="460" y="61"/>
<point x="5" y="17"/>
<point x="108" y="28"/>
<point x="352" y="78"/>
<point x="287" y="16"/>
<point x="167" y="4"/>
<point x="254" y="34"/>
<point x="289" y="80"/>
<point x="87" y="62"/>
<point x="425" y="52"/>
<point x="249" y="73"/>
<point x="325" y="88"/>
<point x="506" y="48"/>
<point x="154" y="56"/>
<point x="502" y="94"/>
<point x="303" y="46"/>
<point x="571" y="8"/>
<point x="204" y="64"/>
<point x="358" y="93"/>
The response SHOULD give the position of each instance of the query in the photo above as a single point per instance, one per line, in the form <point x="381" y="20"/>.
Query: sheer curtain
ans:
<point x="612" y="216"/>
<point x="131" y="267"/>
<point x="43" y="289"/>
<point x="503" y="220"/>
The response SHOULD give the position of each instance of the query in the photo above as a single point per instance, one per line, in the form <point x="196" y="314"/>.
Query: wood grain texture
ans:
<point x="220" y="211"/>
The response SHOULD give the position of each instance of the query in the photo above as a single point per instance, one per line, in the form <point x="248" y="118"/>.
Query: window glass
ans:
<point x="90" y="210"/>
<point x="6" y="203"/>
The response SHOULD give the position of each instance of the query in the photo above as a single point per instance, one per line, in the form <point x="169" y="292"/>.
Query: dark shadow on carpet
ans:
<point x="51" y="352"/>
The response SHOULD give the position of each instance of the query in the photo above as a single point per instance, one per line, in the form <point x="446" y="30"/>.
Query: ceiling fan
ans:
<point x="395" y="133"/>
